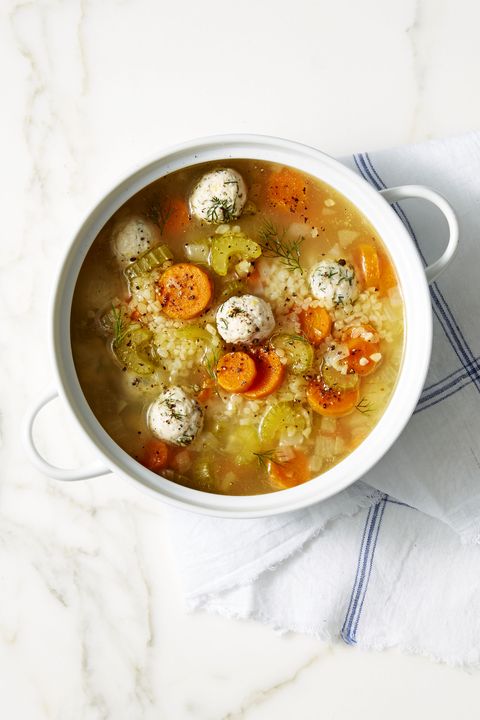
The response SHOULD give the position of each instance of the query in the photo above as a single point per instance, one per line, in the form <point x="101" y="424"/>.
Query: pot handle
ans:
<point x="392" y="195"/>
<point x="94" y="469"/>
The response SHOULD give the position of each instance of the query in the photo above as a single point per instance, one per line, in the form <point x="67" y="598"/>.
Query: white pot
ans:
<point x="418" y="326"/>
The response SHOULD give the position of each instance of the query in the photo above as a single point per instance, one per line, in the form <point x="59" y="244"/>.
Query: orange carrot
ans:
<point x="289" y="473"/>
<point x="204" y="395"/>
<point x="253" y="276"/>
<point x="184" y="291"/>
<point x="367" y="265"/>
<point x="388" y="278"/>
<point x="236" y="372"/>
<point x="270" y="374"/>
<point x="363" y="344"/>
<point x="135" y="315"/>
<point x="330" y="401"/>
<point x="316" y="324"/>
<point x="287" y="190"/>
<point x="155" y="455"/>
<point x="176" y="216"/>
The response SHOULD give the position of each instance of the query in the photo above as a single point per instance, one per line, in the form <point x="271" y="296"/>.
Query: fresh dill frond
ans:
<point x="221" y="210"/>
<point x="274" y="244"/>
<point x="158" y="212"/>
<point x="267" y="456"/>
<point x="364" y="406"/>
<point x="210" y="361"/>
<point x="172" y="406"/>
<point x="119" y="329"/>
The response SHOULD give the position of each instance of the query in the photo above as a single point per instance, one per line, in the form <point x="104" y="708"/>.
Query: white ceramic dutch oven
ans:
<point x="414" y="281"/>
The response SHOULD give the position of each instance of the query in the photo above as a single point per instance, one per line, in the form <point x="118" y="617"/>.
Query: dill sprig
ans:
<point x="119" y="329"/>
<point x="172" y="406"/>
<point x="267" y="456"/>
<point x="364" y="406"/>
<point x="221" y="210"/>
<point x="274" y="244"/>
<point x="210" y="360"/>
<point x="158" y="212"/>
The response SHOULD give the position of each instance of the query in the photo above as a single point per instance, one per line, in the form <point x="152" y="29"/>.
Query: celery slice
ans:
<point x="335" y="379"/>
<point x="235" y="287"/>
<point x="198" y="252"/>
<point x="278" y="419"/>
<point x="243" y="442"/>
<point x="202" y="471"/>
<point x="194" y="332"/>
<point x="134" y="349"/>
<point x="232" y="245"/>
<point x="149" y="261"/>
<point x="297" y="349"/>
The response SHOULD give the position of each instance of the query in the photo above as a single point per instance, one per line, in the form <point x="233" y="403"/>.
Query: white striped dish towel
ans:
<point x="395" y="561"/>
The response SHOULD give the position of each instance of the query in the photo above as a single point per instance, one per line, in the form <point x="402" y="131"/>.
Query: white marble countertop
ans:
<point x="91" y="618"/>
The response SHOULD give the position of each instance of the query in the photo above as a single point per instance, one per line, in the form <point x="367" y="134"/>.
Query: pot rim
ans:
<point x="417" y="309"/>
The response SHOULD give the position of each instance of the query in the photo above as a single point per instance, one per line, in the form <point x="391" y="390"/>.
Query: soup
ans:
<point x="237" y="328"/>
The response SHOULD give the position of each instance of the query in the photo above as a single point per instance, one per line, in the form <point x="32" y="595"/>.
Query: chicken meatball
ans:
<point x="133" y="237"/>
<point x="334" y="282"/>
<point x="245" y="319"/>
<point x="219" y="196"/>
<point x="175" y="417"/>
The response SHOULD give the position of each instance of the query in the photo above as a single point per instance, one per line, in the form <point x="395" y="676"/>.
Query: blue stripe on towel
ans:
<point x="440" y="398"/>
<point x="365" y="561"/>
<point x="364" y="569"/>
<point x="475" y="366"/>
<point x="463" y="376"/>
<point x="470" y="365"/>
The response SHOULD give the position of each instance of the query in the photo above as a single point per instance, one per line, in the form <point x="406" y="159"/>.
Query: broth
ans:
<point x="282" y="382"/>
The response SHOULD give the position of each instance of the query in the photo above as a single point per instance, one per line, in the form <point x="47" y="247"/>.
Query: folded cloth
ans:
<point x="387" y="576"/>
<point x="367" y="566"/>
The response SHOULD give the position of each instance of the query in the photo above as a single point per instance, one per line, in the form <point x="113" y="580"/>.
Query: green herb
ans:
<point x="172" y="406"/>
<point x="267" y="456"/>
<point x="364" y="406"/>
<point x="184" y="440"/>
<point x="158" y="212"/>
<point x="273" y="243"/>
<point x="119" y="329"/>
<point x="330" y="273"/>
<point x="221" y="210"/>
<point x="210" y="360"/>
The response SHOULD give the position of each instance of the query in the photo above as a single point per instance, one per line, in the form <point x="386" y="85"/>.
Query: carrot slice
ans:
<point x="367" y="265"/>
<point x="270" y="374"/>
<point x="316" y="324"/>
<point x="236" y="372"/>
<point x="388" y="277"/>
<point x="364" y="347"/>
<point x="155" y="455"/>
<point x="331" y="402"/>
<point x="176" y="216"/>
<point x="184" y="291"/>
<point x="287" y="190"/>
<point x="289" y="473"/>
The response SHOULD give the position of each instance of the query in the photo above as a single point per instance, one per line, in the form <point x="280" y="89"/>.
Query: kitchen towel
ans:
<point x="369" y="565"/>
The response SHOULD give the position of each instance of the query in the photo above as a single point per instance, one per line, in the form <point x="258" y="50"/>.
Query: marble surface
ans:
<point x="91" y="618"/>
